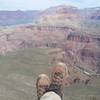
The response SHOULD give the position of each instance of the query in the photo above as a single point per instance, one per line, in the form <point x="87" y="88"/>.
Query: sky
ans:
<point x="43" y="4"/>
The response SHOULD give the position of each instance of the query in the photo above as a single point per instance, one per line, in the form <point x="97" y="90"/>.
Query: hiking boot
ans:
<point x="42" y="85"/>
<point x="58" y="79"/>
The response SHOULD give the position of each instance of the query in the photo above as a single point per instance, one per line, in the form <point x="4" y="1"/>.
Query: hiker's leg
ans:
<point x="58" y="76"/>
<point x="42" y="84"/>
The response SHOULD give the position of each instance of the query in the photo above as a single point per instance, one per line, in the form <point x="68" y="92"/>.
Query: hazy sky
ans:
<point x="43" y="4"/>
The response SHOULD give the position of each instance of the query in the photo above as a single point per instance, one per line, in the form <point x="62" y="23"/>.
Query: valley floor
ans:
<point x="19" y="71"/>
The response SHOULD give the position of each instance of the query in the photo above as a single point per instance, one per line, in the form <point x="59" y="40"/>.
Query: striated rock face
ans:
<point x="88" y="38"/>
<point x="31" y="36"/>
<point x="62" y="16"/>
<point x="90" y="58"/>
<point x="61" y="12"/>
<point x="85" y="50"/>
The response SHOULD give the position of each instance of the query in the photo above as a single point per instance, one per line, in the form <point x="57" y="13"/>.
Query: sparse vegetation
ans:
<point x="19" y="70"/>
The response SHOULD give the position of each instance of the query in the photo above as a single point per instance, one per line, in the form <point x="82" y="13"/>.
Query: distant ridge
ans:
<point x="17" y="17"/>
<point x="62" y="15"/>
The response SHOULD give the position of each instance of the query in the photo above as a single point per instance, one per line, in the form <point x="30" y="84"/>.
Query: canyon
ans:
<point x="76" y="31"/>
<point x="32" y="42"/>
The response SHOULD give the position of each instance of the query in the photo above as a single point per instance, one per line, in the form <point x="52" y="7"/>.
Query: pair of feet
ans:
<point x="55" y="84"/>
